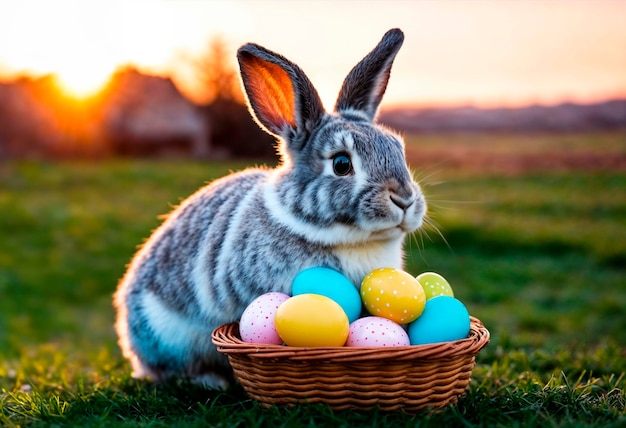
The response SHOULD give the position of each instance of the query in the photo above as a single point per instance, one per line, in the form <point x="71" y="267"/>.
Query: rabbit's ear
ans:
<point x="281" y="96"/>
<point x="365" y="85"/>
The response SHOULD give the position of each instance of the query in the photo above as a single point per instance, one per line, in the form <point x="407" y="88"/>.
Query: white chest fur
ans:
<point x="358" y="260"/>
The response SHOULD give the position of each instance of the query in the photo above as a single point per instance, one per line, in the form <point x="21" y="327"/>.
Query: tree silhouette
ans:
<point x="233" y="132"/>
<point x="216" y="73"/>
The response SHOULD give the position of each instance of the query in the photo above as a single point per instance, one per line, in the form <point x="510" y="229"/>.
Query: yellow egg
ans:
<point x="393" y="294"/>
<point x="311" y="320"/>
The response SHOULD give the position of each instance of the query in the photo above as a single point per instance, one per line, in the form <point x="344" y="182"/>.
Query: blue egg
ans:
<point x="332" y="284"/>
<point x="444" y="319"/>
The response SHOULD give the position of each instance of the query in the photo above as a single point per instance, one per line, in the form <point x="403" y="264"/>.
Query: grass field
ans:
<point x="535" y="245"/>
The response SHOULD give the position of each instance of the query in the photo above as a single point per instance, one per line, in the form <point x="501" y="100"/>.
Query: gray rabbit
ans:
<point x="342" y="197"/>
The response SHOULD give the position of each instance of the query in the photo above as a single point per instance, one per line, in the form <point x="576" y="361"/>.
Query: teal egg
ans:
<point x="332" y="284"/>
<point x="444" y="319"/>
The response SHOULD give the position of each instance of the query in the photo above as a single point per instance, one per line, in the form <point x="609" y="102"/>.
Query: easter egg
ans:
<point x="444" y="319"/>
<point x="376" y="332"/>
<point x="332" y="284"/>
<point x="393" y="294"/>
<point x="312" y="320"/>
<point x="434" y="285"/>
<point x="257" y="321"/>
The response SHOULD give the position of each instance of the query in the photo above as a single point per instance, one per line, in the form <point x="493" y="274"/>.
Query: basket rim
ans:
<point x="228" y="341"/>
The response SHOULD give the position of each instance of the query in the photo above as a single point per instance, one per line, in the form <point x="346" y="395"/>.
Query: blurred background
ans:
<point x="514" y="114"/>
<point x="93" y="79"/>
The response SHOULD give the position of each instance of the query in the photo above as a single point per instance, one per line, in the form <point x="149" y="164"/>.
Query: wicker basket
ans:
<point x="411" y="378"/>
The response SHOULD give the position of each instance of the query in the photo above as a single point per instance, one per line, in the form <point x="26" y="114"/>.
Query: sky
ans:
<point x="456" y="52"/>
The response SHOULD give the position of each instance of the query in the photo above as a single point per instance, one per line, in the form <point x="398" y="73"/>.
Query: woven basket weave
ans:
<point x="411" y="378"/>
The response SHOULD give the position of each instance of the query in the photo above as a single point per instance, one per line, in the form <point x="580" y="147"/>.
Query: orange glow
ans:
<point x="271" y="90"/>
<point x="67" y="39"/>
<point x="84" y="42"/>
<point x="81" y="82"/>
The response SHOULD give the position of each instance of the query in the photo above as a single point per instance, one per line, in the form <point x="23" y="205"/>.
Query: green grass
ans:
<point x="538" y="256"/>
<point x="551" y="249"/>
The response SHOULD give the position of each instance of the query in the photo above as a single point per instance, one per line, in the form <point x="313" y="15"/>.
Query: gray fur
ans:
<point x="252" y="232"/>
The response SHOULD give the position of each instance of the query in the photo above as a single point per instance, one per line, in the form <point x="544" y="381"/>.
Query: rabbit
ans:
<point x="342" y="197"/>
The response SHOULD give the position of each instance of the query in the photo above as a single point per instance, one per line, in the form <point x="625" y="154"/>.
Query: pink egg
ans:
<point x="376" y="332"/>
<point x="257" y="321"/>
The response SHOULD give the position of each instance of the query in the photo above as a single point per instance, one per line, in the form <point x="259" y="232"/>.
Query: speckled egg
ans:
<point x="257" y="321"/>
<point x="312" y="320"/>
<point x="434" y="285"/>
<point x="332" y="284"/>
<point x="376" y="332"/>
<point x="393" y="294"/>
<point x="444" y="319"/>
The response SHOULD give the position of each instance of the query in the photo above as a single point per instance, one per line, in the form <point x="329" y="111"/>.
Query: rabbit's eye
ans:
<point x="342" y="165"/>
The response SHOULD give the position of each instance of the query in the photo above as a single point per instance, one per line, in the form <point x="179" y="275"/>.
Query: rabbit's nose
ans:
<point x="402" y="195"/>
<point x="403" y="202"/>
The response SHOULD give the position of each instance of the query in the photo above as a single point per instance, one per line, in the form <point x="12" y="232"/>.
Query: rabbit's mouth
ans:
<point x="405" y="222"/>
<point x="406" y="226"/>
<point x="388" y="234"/>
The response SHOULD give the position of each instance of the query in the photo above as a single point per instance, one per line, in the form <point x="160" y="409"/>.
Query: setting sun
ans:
<point x="83" y="80"/>
<point x="83" y="43"/>
<point x="74" y="46"/>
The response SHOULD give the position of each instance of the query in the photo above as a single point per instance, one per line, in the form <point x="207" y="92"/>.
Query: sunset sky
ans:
<point x="478" y="52"/>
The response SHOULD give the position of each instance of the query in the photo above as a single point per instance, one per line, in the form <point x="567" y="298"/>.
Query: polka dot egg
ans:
<point x="434" y="285"/>
<point x="257" y="321"/>
<point x="376" y="332"/>
<point x="393" y="294"/>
